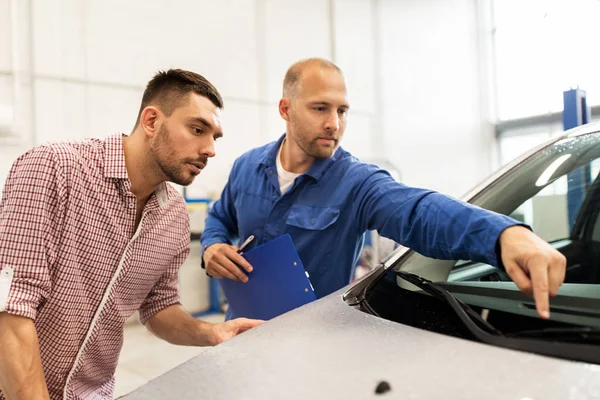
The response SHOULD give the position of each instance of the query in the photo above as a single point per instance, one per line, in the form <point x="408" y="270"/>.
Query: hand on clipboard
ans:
<point x="225" y="261"/>
<point x="278" y="284"/>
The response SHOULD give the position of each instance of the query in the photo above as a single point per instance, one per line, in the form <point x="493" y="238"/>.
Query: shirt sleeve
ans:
<point x="221" y="223"/>
<point x="31" y="220"/>
<point x="165" y="292"/>
<point x="433" y="224"/>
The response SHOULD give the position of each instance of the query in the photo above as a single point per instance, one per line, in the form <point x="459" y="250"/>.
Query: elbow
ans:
<point x="154" y="326"/>
<point x="151" y="326"/>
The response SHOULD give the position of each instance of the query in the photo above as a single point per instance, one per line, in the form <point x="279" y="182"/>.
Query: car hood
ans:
<point x="328" y="350"/>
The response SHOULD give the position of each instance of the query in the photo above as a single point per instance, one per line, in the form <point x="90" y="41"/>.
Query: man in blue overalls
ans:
<point x="305" y="185"/>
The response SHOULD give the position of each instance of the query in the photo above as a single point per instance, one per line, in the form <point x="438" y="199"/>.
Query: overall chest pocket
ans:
<point x="313" y="230"/>
<point x="312" y="218"/>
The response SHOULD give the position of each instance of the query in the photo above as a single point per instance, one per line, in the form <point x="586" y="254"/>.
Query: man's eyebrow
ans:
<point x="325" y="103"/>
<point x="202" y="121"/>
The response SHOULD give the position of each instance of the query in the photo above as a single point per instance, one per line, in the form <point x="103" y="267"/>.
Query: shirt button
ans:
<point x="271" y="172"/>
<point x="131" y="205"/>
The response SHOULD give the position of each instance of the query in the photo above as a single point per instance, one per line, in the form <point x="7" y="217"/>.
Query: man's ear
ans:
<point x="149" y="120"/>
<point x="284" y="108"/>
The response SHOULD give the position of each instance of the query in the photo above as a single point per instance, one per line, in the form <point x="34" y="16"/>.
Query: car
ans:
<point x="420" y="328"/>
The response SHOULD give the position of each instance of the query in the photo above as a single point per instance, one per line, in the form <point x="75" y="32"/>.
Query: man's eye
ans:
<point x="197" y="131"/>
<point x="320" y="108"/>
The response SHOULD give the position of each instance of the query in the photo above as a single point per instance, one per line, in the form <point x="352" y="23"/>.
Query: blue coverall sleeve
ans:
<point x="221" y="223"/>
<point x="428" y="222"/>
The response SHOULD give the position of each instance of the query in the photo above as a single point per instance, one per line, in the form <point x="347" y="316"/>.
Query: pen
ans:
<point x="250" y="238"/>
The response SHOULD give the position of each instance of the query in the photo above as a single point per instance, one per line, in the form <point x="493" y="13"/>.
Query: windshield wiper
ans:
<point x="548" y="341"/>
<point x="568" y="334"/>
<point x="574" y="334"/>
<point x="460" y="308"/>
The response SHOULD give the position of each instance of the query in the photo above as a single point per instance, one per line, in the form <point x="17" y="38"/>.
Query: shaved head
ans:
<point x="314" y="106"/>
<point x="293" y="76"/>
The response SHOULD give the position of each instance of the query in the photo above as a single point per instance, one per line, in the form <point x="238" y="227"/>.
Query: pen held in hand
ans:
<point x="246" y="243"/>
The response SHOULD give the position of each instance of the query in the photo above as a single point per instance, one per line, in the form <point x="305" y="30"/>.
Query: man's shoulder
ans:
<point x="353" y="165"/>
<point x="73" y="150"/>
<point x="62" y="154"/>
<point x="256" y="154"/>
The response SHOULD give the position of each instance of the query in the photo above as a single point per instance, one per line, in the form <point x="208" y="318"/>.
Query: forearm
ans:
<point x="176" y="326"/>
<point x="430" y="223"/>
<point x="21" y="372"/>
<point x="442" y="228"/>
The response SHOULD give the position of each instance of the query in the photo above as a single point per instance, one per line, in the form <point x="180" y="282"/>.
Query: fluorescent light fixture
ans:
<point x="547" y="174"/>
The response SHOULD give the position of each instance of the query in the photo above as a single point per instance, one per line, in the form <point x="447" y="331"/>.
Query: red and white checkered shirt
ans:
<point x="79" y="268"/>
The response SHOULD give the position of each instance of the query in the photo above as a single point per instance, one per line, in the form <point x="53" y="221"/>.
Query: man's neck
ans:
<point x="293" y="158"/>
<point x="139" y="170"/>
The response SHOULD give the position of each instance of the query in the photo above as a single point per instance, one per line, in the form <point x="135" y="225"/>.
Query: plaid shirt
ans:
<point x="73" y="262"/>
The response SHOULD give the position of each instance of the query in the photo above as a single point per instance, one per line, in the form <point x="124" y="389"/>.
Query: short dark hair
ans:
<point x="291" y="81"/>
<point x="167" y="89"/>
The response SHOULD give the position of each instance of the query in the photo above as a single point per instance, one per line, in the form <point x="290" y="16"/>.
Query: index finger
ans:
<point x="239" y="260"/>
<point x="234" y="269"/>
<point x="539" y="280"/>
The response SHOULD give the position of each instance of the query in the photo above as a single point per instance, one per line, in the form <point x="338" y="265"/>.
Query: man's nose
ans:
<point x="333" y="122"/>
<point x="207" y="148"/>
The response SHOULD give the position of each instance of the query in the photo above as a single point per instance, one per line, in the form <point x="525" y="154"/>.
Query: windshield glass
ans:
<point x="556" y="191"/>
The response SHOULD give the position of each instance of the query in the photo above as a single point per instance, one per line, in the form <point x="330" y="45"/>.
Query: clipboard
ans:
<point x="277" y="284"/>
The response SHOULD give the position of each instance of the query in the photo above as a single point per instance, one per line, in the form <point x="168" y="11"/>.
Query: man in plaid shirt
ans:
<point x="90" y="232"/>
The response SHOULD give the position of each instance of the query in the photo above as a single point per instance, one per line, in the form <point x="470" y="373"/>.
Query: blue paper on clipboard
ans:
<point x="277" y="284"/>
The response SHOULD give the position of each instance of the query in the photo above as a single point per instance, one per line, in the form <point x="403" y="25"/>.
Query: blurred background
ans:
<point x="443" y="91"/>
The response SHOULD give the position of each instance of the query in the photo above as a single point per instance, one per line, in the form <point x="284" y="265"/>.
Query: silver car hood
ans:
<point x="328" y="350"/>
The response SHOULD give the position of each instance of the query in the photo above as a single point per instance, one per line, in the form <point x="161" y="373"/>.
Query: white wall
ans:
<point x="434" y="117"/>
<point x="412" y="69"/>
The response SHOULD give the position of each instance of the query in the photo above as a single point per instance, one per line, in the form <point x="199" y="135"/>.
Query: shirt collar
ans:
<point x="114" y="158"/>
<point x="316" y="171"/>
<point x="162" y="195"/>
<point x="114" y="167"/>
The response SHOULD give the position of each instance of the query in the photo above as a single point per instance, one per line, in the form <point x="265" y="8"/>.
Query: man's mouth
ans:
<point x="196" y="167"/>
<point x="326" y="140"/>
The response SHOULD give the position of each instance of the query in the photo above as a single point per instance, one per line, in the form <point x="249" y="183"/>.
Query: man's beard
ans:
<point x="165" y="159"/>
<point x="309" y="145"/>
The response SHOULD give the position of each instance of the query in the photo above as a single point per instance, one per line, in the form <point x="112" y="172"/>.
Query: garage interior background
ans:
<point x="442" y="91"/>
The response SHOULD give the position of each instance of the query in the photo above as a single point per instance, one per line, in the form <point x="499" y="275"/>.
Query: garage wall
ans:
<point x="412" y="69"/>
<point x="435" y="116"/>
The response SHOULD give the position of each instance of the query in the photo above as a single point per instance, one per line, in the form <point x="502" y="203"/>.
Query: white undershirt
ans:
<point x="286" y="178"/>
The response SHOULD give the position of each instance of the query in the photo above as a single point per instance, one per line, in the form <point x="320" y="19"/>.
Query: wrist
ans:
<point x="513" y="229"/>
<point x="206" y="334"/>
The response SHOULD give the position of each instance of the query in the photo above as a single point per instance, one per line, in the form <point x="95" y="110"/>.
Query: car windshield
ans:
<point x="556" y="191"/>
